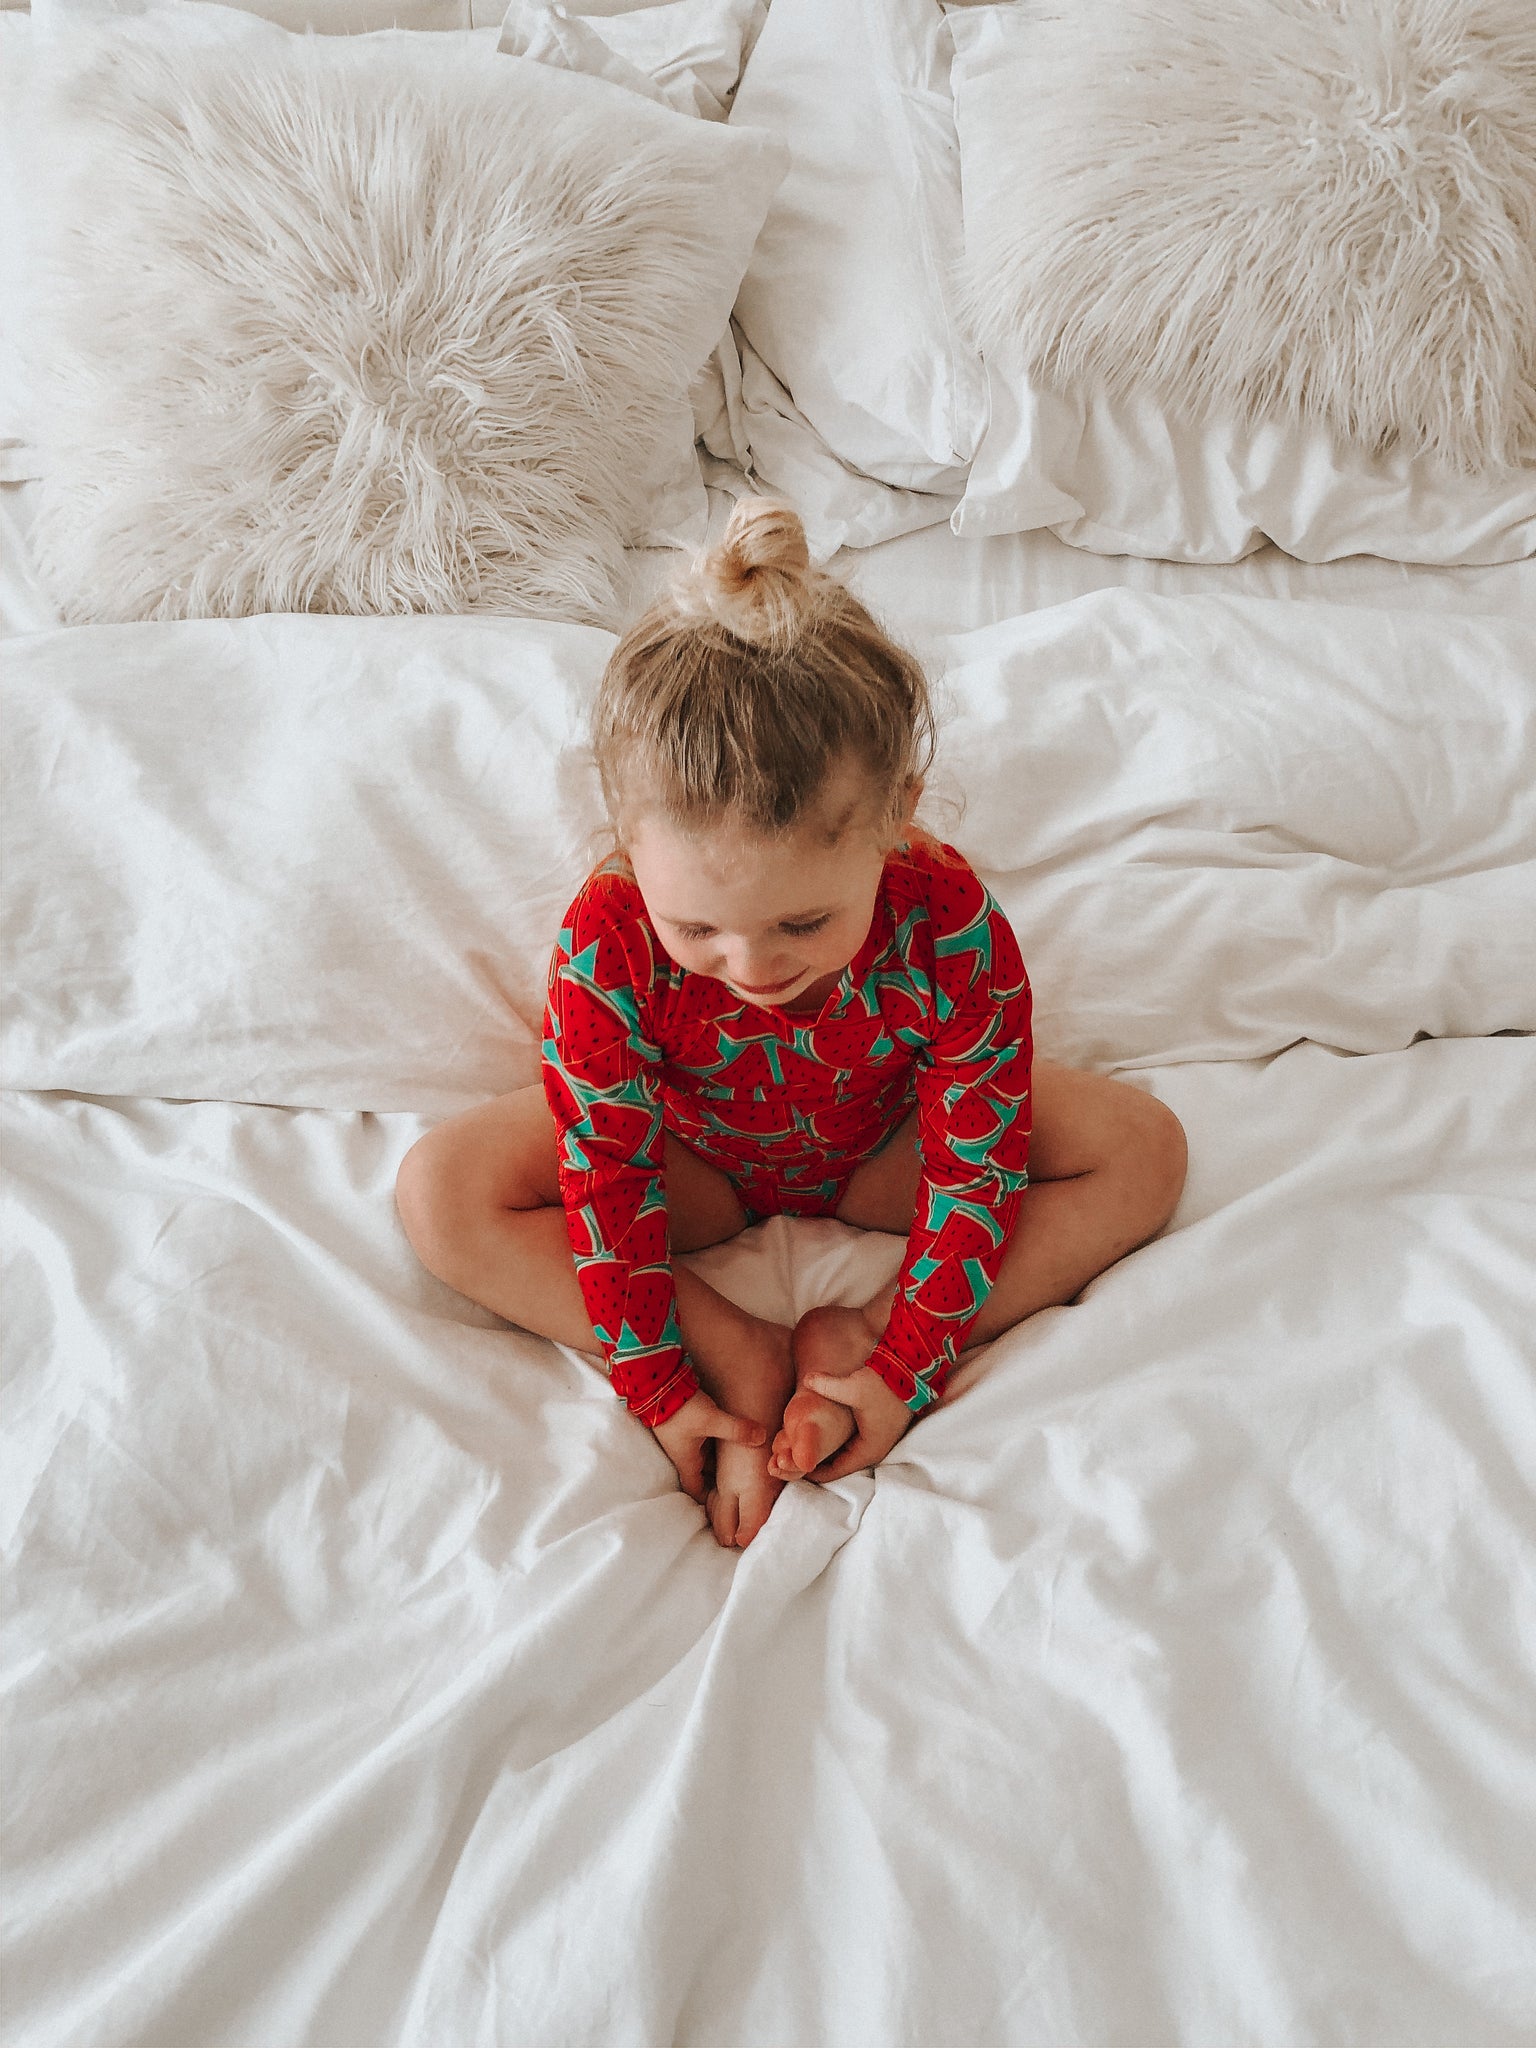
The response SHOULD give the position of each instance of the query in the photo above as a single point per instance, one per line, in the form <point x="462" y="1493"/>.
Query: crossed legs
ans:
<point x="479" y="1197"/>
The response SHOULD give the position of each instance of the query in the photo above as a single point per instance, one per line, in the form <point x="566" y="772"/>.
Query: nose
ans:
<point x="757" y="966"/>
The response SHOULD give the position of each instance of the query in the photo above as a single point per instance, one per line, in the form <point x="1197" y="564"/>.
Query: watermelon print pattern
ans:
<point x="934" y="1010"/>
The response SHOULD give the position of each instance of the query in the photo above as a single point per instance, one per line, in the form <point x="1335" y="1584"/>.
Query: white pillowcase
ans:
<point x="313" y="334"/>
<point x="1276" y="211"/>
<point x="863" y="399"/>
<point x="841" y="507"/>
<point x="322" y="17"/>
<point x="687" y="54"/>
<point x="1121" y="475"/>
<point x="844" y="303"/>
<point x="20" y="35"/>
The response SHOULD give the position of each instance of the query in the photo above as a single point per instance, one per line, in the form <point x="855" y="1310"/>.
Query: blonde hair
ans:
<point x="740" y="691"/>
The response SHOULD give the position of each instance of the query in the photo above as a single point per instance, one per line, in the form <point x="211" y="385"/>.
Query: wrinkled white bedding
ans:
<point x="321" y="861"/>
<point x="1169" y="1685"/>
<point x="369" y="1681"/>
<point x="931" y="582"/>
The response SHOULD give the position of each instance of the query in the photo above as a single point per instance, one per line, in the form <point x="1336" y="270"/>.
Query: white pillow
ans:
<point x="1121" y="474"/>
<point x="313" y="335"/>
<point x="322" y="17"/>
<point x="841" y="507"/>
<point x="845" y="299"/>
<point x="686" y="53"/>
<point x="683" y="53"/>
<point x="18" y="434"/>
<point x="837" y="316"/>
<point x="1268" y="210"/>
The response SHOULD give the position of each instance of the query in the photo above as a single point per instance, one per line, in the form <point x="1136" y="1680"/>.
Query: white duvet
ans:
<point x="370" y="1682"/>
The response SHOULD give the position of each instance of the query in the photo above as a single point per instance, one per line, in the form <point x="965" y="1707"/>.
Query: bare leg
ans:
<point x="1107" y="1167"/>
<point x="480" y="1200"/>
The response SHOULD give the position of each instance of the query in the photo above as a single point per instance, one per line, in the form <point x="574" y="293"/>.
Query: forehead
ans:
<point x="845" y="811"/>
<point x="727" y="859"/>
<point x="724" y="874"/>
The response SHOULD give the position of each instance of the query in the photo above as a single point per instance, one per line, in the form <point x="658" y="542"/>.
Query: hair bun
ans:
<point x="757" y="581"/>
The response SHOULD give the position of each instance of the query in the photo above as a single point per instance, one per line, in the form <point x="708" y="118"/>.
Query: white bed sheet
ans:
<point x="934" y="581"/>
<point x="321" y="861"/>
<point x="370" y="1682"/>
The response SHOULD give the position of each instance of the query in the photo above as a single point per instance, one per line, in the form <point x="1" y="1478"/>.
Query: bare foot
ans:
<point x="829" y="1340"/>
<point x="752" y="1377"/>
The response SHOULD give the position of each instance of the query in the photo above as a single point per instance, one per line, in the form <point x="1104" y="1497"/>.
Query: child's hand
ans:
<point x="698" y="1422"/>
<point x="881" y="1419"/>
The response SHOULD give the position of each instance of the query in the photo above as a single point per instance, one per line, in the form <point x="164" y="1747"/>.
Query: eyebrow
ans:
<point x="789" y="917"/>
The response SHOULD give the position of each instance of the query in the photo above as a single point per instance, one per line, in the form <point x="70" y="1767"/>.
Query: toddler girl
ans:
<point x="781" y="997"/>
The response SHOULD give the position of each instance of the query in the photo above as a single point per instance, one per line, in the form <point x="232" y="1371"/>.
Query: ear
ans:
<point x="906" y="816"/>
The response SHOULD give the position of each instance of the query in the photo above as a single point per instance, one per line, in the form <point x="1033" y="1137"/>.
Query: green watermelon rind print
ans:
<point x="937" y="990"/>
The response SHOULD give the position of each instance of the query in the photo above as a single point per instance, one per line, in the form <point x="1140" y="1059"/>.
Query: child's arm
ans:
<point x="601" y="1078"/>
<point x="973" y="1139"/>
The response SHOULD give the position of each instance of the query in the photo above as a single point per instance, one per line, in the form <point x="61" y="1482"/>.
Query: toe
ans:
<point x="754" y="1513"/>
<point x="825" y="1432"/>
<point x="807" y="1451"/>
<point x="723" y="1518"/>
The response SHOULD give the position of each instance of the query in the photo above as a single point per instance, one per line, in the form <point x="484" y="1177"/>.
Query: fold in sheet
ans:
<point x="370" y="1680"/>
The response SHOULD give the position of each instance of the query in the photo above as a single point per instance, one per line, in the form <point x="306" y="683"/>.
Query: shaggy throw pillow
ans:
<point x="1317" y="210"/>
<point x="367" y="325"/>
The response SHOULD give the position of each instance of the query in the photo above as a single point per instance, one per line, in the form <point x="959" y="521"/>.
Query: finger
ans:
<point x="691" y="1473"/>
<point x="735" y="1429"/>
<point x="723" y="1518"/>
<point x="853" y="1457"/>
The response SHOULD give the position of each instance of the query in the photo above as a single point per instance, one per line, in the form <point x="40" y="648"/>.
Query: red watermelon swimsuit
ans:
<point x="933" y="1010"/>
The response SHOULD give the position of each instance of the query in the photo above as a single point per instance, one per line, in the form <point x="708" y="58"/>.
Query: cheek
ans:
<point x="836" y="946"/>
<point x="694" y="956"/>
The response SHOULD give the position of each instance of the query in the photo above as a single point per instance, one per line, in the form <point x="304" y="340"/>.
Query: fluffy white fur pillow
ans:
<point x="367" y="325"/>
<point x="1319" y="210"/>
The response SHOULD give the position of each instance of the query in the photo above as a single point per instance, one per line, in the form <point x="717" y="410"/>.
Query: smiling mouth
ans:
<point x="774" y="988"/>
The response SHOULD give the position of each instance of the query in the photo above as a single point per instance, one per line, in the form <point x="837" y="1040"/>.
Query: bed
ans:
<point x="368" y="1679"/>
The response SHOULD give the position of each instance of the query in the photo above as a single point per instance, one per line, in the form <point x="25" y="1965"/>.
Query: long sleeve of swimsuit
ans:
<point x="973" y="1105"/>
<point x="602" y="1082"/>
<point x="934" y="1009"/>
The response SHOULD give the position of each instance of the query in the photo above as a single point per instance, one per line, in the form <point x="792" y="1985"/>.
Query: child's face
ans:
<point x="777" y="920"/>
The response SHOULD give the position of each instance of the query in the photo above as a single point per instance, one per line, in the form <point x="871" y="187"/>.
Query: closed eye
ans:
<point x="794" y="931"/>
